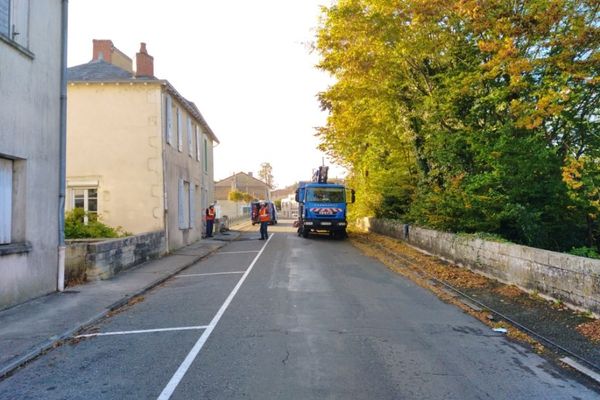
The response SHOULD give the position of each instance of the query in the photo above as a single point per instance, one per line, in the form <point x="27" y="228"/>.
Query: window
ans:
<point x="169" y="108"/>
<point x="185" y="203"/>
<point x="86" y="199"/>
<point x="197" y="143"/>
<point x="190" y="136"/>
<point x="6" y="193"/>
<point x="179" y="130"/>
<point x="14" y="21"/>
<point x="205" y="155"/>
<point x="326" y="195"/>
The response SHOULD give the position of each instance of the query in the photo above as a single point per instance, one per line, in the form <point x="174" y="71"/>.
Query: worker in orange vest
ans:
<point x="264" y="218"/>
<point x="210" y="220"/>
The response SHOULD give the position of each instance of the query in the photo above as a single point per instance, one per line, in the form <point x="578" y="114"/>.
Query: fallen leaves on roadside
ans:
<point x="510" y="291"/>
<point x="410" y="262"/>
<point x="591" y="330"/>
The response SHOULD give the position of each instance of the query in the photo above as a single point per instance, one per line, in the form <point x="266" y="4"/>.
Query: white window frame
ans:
<point x="179" y="130"/>
<point x="6" y="195"/>
<point x="86" y="199"/>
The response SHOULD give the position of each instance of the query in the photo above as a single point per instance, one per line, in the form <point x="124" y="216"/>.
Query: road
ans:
<point x="291" y="318"/>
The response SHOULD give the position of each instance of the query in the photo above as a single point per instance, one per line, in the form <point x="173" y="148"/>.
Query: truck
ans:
<point x="322" y="206"/>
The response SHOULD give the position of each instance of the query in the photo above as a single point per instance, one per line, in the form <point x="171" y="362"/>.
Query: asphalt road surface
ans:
<point x="291" y="318"/>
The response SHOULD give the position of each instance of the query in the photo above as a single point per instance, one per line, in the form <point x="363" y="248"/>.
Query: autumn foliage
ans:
<point x="468" y="115"/>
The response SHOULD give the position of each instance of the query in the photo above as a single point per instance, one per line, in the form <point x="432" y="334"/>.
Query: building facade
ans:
<point x="30" y="83"/>
<point x="241" y="182"/>
<point x="139" y="154"/>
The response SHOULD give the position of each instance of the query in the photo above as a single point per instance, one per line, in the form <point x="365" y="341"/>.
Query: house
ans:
<point x="289" y="206"/>
<point x="139" y="154"/>
<point x="241" y="182"/>
<point x="31" y="62"/>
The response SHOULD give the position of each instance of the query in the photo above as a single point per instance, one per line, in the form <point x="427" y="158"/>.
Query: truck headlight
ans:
<point x="308" y="223"/>
<point x="342" y="224"/>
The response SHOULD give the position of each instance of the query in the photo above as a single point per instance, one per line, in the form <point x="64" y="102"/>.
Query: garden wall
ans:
<point x="571" y="279"/>
<point x="102" y="259"/>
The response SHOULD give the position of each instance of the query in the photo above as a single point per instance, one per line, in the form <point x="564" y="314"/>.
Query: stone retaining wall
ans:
<point x="104" y="259"/>
<point x="571" y="279"/>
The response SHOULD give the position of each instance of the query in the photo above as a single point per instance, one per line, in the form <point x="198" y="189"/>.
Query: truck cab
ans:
<point x="323" y="208"/>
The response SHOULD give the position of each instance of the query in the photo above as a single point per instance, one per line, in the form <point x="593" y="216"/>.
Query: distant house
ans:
<point x="241" y="182"/>
<point x="139" y="153"/>
<point x="30" y="71"/>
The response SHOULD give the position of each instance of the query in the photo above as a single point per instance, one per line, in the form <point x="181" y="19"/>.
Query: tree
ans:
<point x="266" y="174"/>
<point x="463" y="114"/>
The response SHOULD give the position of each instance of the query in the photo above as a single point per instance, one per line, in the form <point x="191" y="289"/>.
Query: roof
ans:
<point x="245" y="176"/>
<point x="101" y="71"/>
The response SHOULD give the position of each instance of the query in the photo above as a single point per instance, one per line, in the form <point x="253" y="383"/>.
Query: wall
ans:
<point x="29" y="133"/>
<point x="104" y="259"/>
<point x="114" y="141"/>
<point x="180" y="165"/>
<point x="571" y="279"/>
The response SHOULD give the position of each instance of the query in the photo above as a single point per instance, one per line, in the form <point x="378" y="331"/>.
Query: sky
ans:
<point x="246" y="64"/>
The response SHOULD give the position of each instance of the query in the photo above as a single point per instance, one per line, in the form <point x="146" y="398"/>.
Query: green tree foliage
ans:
<point x="235" y="195"/>
<point x="77" y="228"/>
<point x="463" y="114"/>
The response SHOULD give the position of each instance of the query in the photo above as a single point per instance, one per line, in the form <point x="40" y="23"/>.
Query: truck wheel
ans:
<point x="304" y="233"/>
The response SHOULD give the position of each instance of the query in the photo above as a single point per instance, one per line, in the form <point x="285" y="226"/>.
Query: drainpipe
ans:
<point x="60" y="284"/>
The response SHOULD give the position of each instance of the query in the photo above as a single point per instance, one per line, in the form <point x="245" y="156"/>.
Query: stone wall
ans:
<point x="104" y="259"/>
<point x="571" y="279"/>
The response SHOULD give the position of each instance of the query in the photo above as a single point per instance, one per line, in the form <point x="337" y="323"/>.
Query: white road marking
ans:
<point x="189" y="359"/>
<point x="237" y="252"/>
<point x="182" y="328"/>
<point x="209" y="274"/>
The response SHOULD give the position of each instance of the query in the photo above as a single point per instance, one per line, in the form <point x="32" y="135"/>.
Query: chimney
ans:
<point x="103" y="50"/>
<point x="144" y="63"/>
<point x="250" y="174"/>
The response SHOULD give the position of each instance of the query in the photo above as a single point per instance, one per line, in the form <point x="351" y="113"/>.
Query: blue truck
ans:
<point x="322" y="206"/>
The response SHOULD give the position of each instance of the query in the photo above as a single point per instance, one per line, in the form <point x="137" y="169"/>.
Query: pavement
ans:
<point x="32" y="328"/>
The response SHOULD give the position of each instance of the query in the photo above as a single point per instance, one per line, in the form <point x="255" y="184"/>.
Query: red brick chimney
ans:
<point x="144" y="63"/>
<point x="103" y="50"/>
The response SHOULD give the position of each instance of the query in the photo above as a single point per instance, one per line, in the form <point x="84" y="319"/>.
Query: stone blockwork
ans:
<point x="571" y="279"/>
<point x="104" y="259"/>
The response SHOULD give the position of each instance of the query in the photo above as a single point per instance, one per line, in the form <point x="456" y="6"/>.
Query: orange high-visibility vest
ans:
<point x="210" y="215"/>
<point x="263" y="215"/>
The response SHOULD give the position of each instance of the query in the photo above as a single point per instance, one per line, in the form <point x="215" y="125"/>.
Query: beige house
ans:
<point x="30" y="126"/>
<point x="139" y="154"/>
<point x="242" y="182"/>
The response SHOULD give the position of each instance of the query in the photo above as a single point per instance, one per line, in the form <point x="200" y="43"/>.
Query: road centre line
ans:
<point x="181" y="328"/>
<point x="237" y="252"/>
<point x="209" y="274"/>
<point x="189" y="359"/>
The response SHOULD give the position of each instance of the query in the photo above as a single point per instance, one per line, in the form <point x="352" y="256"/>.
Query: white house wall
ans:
<point x="29" y="135"/>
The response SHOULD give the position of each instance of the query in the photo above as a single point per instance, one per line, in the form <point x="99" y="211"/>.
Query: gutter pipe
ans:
<point x="60" y="284"/>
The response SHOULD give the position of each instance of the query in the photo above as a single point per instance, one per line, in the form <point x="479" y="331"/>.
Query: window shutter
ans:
<point x="190" y="136"/>
<point x="180" y="209"/>
<point x="197" y="144"/>
<point x="205" y="155"/>
<point x="20" y="21"/>
<point x="6" y="174"/>
<point x="192" y="206"/>
<point x="5" y="18"/>
<point x="169" y="120"/>
<point x="179" y="129"/>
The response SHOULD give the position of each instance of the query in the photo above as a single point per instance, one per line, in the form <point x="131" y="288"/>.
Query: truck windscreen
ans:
<point x="326" y="195"/>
